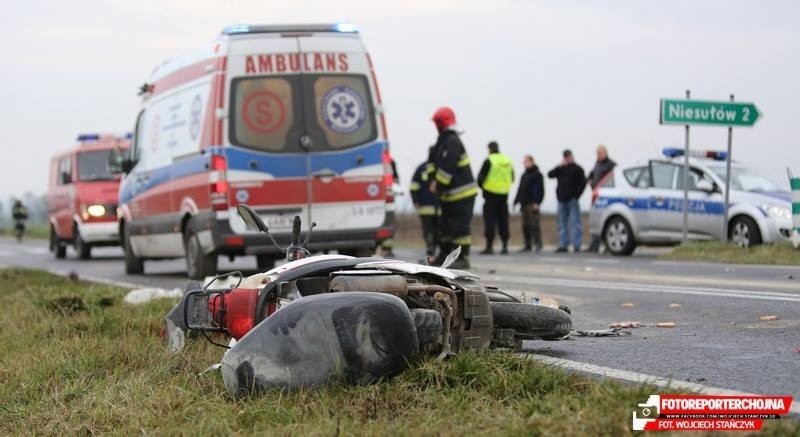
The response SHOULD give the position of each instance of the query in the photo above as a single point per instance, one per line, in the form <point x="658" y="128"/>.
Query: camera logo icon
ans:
<point x="646" y="412"/>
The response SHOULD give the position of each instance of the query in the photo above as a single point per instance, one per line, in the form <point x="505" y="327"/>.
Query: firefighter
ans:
<point x="455" y="186"/>
<point x="20" y="214"/>
<point x="495" y="178"/>
<point x="426" y="205"/>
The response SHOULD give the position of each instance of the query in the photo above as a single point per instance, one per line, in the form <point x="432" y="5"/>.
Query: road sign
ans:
<point x="678" y="111"/>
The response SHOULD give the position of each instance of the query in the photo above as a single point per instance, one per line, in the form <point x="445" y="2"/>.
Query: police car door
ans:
<point x="343" y="143"/>
<point x="665" y="202"/>
<point x="705" y="205"/>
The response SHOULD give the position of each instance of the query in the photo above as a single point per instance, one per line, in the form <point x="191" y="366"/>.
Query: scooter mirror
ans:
<point x="251" y="218"/>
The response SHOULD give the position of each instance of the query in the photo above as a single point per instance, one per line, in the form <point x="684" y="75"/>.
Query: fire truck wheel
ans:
<point x="133" y="264"/>
<point x="58" y="249"/>
<point x="83" y="248"/>
<point x="198" y="263"/>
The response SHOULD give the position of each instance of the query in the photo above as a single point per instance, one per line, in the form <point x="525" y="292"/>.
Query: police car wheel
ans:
<point x="133" y="264"/>
<point x="618" y="236"/>
<point x="744" y="232"/>
<point x="198" y="263"/>
<point x="58" y="249"/>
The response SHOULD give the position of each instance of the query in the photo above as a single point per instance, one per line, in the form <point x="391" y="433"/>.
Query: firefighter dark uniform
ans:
<point x="495" y="178"/>
<point x="456" y="188"/>
<point x="426" y="204"/>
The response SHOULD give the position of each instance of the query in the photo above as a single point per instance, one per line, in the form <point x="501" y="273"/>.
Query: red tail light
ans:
<point x="219" y="187"/>
<point x="235" y="310"/>
<point x="388" y="176"/>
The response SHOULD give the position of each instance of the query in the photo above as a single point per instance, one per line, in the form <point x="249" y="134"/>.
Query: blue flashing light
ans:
<point x="129" y="135"/>
<point x="346" y="27"/>
<point x="672" y="152"/>
<point x="237" y="28"/>
<point x="88" y="137"/>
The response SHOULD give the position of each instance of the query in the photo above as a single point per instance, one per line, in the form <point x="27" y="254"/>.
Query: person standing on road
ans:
<point x="602" y="167"/>
<point x="20" y="214"/>
<point x="454" y="184"/>
<point x="571" y="183"/>
<point x="530" y="194"/>
<point x="426" y="205"/>
<point x="495" y="178"/>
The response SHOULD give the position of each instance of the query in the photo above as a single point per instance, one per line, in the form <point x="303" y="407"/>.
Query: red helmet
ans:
<point x="444" y="117"/>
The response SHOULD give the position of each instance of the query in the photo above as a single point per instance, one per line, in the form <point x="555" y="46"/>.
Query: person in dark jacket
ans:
<point x="530" y="194"/>
<point x="454" y="184"/>
<point x="602" y="167"/>
<point x="571" y="183"/>
<point x="495" y="178"/>
<point x="426" y="205"/>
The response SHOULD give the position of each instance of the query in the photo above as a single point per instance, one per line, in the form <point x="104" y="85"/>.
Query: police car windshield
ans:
<point x="93" y="166"/>
<point x="272" y="113"/>
<point x="745" y="179"/>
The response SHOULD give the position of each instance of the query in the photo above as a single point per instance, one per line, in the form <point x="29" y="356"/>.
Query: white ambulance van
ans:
<point x="287" y="119"/>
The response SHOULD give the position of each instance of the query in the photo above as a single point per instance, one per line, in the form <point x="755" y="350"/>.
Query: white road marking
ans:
<point x="99" y="280"/>
<point x="642" y="378"/>
<point x="647" y="288"/>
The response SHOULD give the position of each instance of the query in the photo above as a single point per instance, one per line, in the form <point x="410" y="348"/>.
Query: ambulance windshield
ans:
<point x="272" y="113"/>
<point x="93" y="166"/>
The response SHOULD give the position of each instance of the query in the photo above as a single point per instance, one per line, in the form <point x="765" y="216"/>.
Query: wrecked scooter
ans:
<point x="336" y="318"/>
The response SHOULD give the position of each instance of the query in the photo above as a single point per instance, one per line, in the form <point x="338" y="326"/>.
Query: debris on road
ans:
<point x="665" y="325"/>
<point x="613" y="332"/>
<point x="144" y="295"/>
<point x="642" y="325"/>
<point x="625" y="325"/>
<point x="675" y="305"/>
<point x="627" y="305"/>
<point x="769" y="318"/>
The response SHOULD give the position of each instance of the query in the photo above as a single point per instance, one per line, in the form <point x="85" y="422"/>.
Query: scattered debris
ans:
<point x="768" y="318"/>
<point x="675" y="305"/>
<point x="548" y="301"/>
<point x="492" y="271"/>
<point x="625" y="325"/>
<point x="797" y="349"/>
<point x="627" y="305"/>
<point x="144" y="295"/>
<point x="665" y="325"/>
<point x="614" y="332"/>
<point x="790" y="277"/>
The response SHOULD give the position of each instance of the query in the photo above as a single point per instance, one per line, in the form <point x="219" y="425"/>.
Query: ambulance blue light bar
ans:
<point x="674" y="152"/>
<point x="88" y="137"/>
<point x="129" y="135"/>
<point x="240" y="29"/>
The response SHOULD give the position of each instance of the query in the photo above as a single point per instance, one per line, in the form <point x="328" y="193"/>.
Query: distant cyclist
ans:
<point x="20" y="215"/>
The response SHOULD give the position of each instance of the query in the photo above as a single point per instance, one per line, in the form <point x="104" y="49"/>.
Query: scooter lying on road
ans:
<point x="336" y="318"/>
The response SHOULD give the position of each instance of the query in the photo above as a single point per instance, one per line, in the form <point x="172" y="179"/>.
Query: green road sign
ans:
<point x="676" y="111"/>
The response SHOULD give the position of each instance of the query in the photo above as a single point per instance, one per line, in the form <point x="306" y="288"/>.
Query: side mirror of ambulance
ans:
<point x="251" y="218"/>
<point x="118" y="162"/>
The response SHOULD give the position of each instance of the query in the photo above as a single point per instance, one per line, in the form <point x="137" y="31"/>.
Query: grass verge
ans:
<point x="31" y="231"/>
<point x="77" y="360"/>
<point x="718" y="251"/>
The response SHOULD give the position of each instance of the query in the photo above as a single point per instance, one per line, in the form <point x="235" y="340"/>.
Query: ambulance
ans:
<point x="285" y="118"/>
<point x="82" y="196"/>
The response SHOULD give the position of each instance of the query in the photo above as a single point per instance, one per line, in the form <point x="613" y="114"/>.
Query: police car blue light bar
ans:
<point x="239" y="29"/>
<point x="674" y="152"/>
<point x="88" y="137"/>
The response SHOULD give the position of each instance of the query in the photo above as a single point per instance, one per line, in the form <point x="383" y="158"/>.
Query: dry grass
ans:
<point x="718" y="251"/>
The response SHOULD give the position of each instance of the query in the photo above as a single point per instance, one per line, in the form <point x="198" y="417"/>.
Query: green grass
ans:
<point x="39" y="231"/>
<point x="76" y="360"/>
<point x="717" y="251"/>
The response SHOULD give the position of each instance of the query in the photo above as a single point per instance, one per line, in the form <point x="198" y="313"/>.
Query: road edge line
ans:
<point x="642" y="378"/>
<point x="96" y="279"/>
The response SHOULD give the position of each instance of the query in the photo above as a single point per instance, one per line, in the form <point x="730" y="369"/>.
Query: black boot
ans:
<point x="504" y="251"/>
<point x="489" y="250"/>
<point x="444" y="250"/>
<point x="463" y="259"/>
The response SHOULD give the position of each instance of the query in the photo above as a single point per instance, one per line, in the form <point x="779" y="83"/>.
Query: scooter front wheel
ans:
<point x="531" y="321"/>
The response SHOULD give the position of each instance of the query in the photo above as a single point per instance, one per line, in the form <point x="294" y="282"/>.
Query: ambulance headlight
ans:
<point x="776" y="211"/>
<point x="96" y="210"/>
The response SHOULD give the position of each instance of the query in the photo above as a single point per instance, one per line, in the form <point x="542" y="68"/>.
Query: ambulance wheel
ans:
<point x="618" y="236"/>
<point x="83" y="248"/>
<point x="133" y="264"/>
<point x="265" y="262"/>
<point x="198" y="263"/>
<point x="743" y="231"/>
<point x="58" y="249"/>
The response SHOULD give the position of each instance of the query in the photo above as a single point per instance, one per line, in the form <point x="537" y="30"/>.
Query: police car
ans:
<point x="643" y="204"/>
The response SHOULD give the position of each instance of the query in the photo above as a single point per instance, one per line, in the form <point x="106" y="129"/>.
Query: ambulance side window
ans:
<point x="135" y="149"/>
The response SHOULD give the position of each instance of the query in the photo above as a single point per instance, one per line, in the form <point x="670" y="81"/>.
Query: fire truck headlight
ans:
<point x="96" y="210"/>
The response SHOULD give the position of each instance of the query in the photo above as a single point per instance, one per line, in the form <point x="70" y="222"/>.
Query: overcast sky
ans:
<point x="537" y="76"/>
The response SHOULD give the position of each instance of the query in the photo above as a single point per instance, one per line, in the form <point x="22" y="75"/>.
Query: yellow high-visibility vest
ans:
<point x="501" y="174"/>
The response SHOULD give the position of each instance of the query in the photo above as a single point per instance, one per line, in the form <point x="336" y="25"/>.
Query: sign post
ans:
<point x="710" y="113"/>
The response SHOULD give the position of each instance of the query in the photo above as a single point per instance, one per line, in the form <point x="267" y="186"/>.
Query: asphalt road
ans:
<point x="719" y="339"/>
